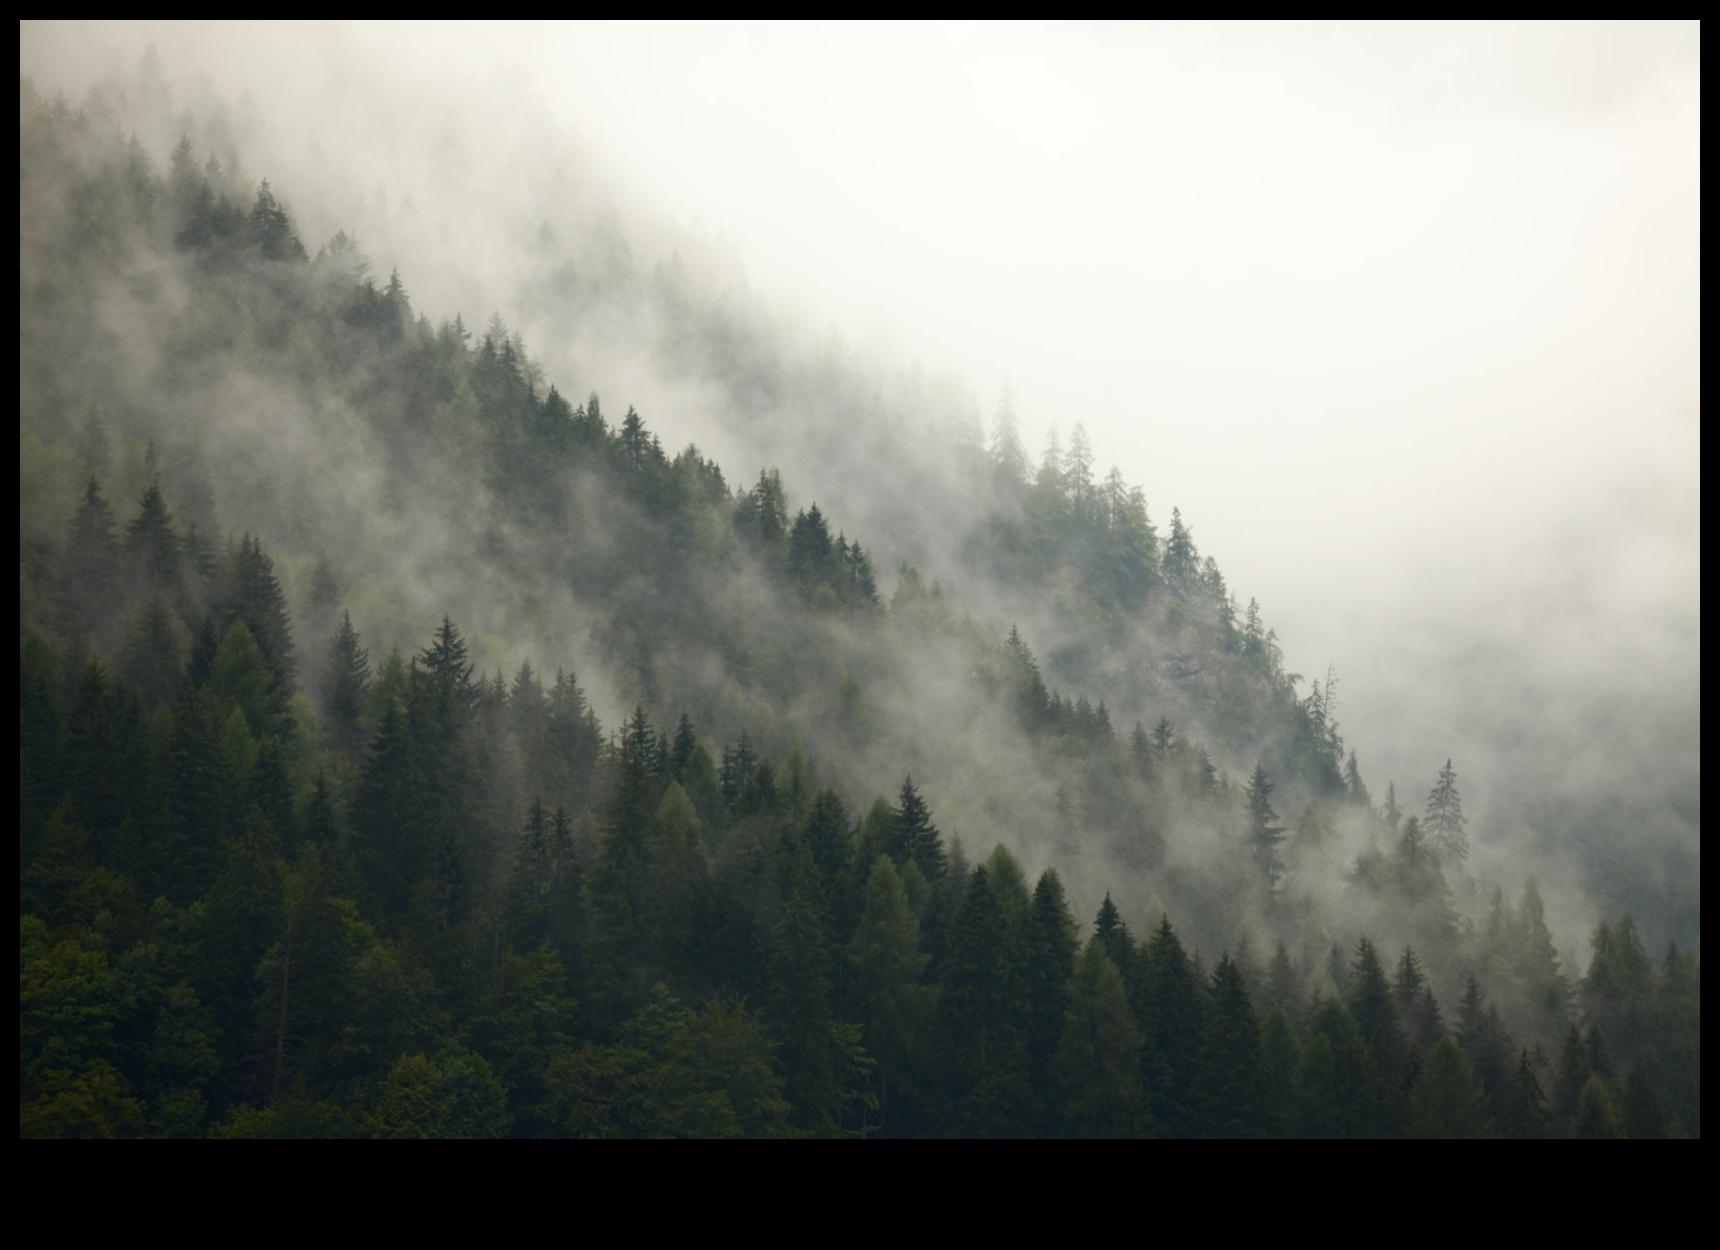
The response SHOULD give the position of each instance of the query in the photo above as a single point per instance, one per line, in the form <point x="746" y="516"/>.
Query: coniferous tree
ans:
<point x="985" y="1081"/>
<point x="1546" y="993"/>
<point x="242" y="918"/>
<point x="1182" y="560"/>
<point x="272" y="232"/>
<point x="388" y="845"/>
<point x="1445" y="821"/>
<point x="91" y="555"/>
<point x="1573" y="1074"/>
<point x="1333" y="1097"/>
<point x="1390" y="812"/>
<point x="1078" y="473"/>
<point x="893" y="1006"/>
<point x="1097" y="1062"/>
<point x="448" y="674"/>
<point x="1265" y="833"/>
<point x="621" y="885"/>
<point x="253" y="595"/>
<point x="347" y="689"/>
<point x="306" y="976"/>
<point x="1284" y="985"/>
<point x="1620" y="980"/>
<point x="1175" y="1035"/>
<point x="1282" y="1057"/>
<point x="681" y="753"/>
<point x="1235" y="1095"/>
<point x="1369" y="998"/>
<point x="1525" y="1114"/>
<point x="1487" y="1044"/>
<point x="1050" y="945"/>
<point x="1643" y="1118"/>
<point x="1595" y="1119"/>
<point x="154" y="656"/>
<point x="1353" y="783"/>
<point x="798" y="1003"/>
<point x="1007" y="451"/>
<point x="1423" y="1023"/>
<point x="152" y="543"/>
<point x="103" y="759"/>
<point x="916" y="839"/>
<point x="828" y="839"/>
<point x="1446" y="1101"/>
<point x="527" y="906"/>
<point x="1113" y="935"/>
<point x="1600" y="1058"/>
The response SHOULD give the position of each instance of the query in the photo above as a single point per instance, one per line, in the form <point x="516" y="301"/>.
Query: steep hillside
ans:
<point x="554" y="762"/>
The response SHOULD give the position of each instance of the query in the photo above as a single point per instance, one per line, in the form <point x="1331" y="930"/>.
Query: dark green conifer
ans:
<point x="1097" y="1061"/>
<point x="1235" y="1093"/>
<point x="1643" y="1117"/>
<point x="1264" y="831"/>
<point x="1175" y="1035"/>
<point x="1596" y="1119"/>
<point x="1446" y="1101"/>
<point x="346" y="689"/>
<point x="1525" y="1115"/>
<point x="1050" y="945"/>
<point x="985" y="1080"/>
<point x="894" y="1008"/>
<point x="1573" y="1074"/>
<point x="916" y="839"/>
<point x="153" y="544"/>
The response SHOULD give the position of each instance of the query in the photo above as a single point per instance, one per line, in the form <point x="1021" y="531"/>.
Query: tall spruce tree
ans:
<point x="1176" y="1034"/>
<point x="893" y="1006"/>
<point x="1444" y="820"/>
<point x="346" y="689"/>
<point x="985" y="1087"/>
<point x="917" y="840"/>
<point x="1235" y="1092"/>
<point x="1446" y="1101"/>
<point x="1097" y="1061"/>
<point x="1265" y="834"/>
<point x="1050" y="956"/>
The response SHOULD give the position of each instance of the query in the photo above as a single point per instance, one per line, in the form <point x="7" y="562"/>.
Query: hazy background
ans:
<point x="1405" y="319"/>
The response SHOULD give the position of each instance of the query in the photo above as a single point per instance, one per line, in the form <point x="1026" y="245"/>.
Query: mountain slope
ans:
<point x="320" y="470"/>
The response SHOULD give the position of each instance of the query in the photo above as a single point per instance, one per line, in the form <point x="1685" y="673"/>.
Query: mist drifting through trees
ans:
<point x="486" y="669"/>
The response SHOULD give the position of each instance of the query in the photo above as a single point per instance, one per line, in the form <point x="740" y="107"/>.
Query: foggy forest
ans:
<point x="499" y="658"/>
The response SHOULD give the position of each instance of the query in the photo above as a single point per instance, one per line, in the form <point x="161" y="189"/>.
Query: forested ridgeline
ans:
<point x="285" y="874"/>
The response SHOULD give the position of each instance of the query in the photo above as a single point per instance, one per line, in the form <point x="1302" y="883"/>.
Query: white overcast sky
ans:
<point x="1405" y="318"/>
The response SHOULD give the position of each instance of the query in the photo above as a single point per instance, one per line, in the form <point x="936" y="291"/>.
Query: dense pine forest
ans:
<point x="324" y="831"/>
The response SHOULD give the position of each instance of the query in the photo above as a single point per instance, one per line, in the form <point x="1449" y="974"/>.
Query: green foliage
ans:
<point x="456" y="1094"/>
<point x="1236" y="1093"/>
<point x="1595" y="1117"/>
<point x="1282" y="1057"/>
<point x="418" y="899"/>
<point x="69" y="1086"/>
<point x="915" y="839"/>
<point x="1333" y="1097"/>
<point x="1525" y="1115"/>
<point x="1263" y="831"/>
<point x="1446" y="1101"/>
<point x="1175" y="1031"/>
<point x="671" y="1073"/>
<point x="893" y="1006"/>
<point x="985" y="1047"/>
<point x="1097" y="1062"/>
